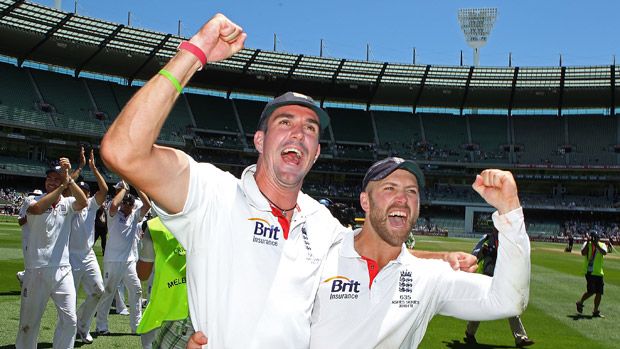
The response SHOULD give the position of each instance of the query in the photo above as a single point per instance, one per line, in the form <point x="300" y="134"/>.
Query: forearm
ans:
<point x="76" y="173"/>
<point x="78" y="194"/>
<point x="146" y="203"/>
<point x="46" y="201"/>
<point x="103" y="186"/>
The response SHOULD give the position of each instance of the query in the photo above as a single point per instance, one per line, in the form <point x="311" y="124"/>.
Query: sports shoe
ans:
<point x="470" y="338"/>
<point x="20" y="278"/>
<point x="123" y="312"/>
<point x="86" y="337"/>
<point x="597" y="314"/>
<point x="579" y="307"/>
<point x="102" y="332"/>
<point x="521" y="342"/>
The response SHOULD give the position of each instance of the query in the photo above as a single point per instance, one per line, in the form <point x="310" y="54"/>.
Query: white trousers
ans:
<point x="147" y="338"/>
<point x="39" y="285"/>
<point x="88" y="275"/>
<point x="114" y="272"/>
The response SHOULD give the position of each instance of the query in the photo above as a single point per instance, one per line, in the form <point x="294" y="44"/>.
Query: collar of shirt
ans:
<point x="256" y="199"/>
<point x="348" y="249"/>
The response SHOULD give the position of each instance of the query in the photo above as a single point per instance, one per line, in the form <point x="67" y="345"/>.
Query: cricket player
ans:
<point x="124" y="217"/>
<point x="84" y="263"/>
<point x="45" y="244"/>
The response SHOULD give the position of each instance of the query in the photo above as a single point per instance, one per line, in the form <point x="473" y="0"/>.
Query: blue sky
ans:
<point x="535" y="31"/>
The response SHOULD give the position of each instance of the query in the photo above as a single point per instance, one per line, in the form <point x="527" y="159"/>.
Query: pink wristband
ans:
<point x="196" y="51"/>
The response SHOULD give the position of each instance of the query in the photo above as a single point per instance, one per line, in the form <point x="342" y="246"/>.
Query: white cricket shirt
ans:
<point x="247" y="284"/>
<point x="83" y="233"/>
<point x="394" y="312"/>
<point x="122" y="244"/>
<point x="45" y="237"/>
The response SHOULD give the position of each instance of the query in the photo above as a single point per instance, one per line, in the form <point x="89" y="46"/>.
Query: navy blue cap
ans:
<point x="53" y="168"/>
<point x="294" y="98"/>
<point x="385" y="167"/>
<point x="84" y="185"/>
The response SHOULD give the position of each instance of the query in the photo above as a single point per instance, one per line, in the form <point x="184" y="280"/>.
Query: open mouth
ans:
<point x="397" y="218"/>
<point x="291" y="155"/>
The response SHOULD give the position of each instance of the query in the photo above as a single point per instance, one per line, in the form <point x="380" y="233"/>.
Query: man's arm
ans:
<point x="75" y="174"/>
<point x="479" y="297"/>
<point x="146" y="203"/>
<point x="128" y="148"/>
<point x="458" y="260"/>
<point x="116" y="201"/>
<point x="50" y="198"/>
<point x="103" y="186"/>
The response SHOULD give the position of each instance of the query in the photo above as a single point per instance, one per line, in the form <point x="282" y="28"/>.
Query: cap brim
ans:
<point x="322" y="114"/>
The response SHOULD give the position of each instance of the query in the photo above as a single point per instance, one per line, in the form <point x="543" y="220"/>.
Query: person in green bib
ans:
<point x="167" y="314"/>
<point x="593" y="251"/>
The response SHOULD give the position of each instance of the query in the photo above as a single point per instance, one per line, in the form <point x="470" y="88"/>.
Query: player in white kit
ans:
<point x="84" y="263"/>
<point x="45" y="244"/>
<point x="125" y="215"/>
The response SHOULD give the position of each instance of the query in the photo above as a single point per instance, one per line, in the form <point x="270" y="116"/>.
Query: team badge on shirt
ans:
<point x="341" y="287"/>
<point x="265" y="233"/>
<point x="403" y="298"/>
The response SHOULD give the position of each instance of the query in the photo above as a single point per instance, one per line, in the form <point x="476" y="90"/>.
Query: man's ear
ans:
<point x="364" y="201"/>
<point x="259" y="137"/>
<point x="318" y="152"/>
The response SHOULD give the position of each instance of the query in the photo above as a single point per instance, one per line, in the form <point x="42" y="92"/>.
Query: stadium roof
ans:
<point x="37" y="33"/>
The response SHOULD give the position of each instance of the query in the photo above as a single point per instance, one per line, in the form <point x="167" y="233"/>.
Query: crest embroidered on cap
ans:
<point x="300" y="95"/>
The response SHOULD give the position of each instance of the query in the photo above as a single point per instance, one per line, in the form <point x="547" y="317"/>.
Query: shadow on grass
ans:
<point x="577" y="317"/>
<point x="10" y="293"/>
<point x="39" y="345"/>
<point x="112" y="334"/>
<point x="457" y="344"/>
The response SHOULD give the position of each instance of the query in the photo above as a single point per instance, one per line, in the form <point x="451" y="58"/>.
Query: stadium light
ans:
<point x="476" y="24"/>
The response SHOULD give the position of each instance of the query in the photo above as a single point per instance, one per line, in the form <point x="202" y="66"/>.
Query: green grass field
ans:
<point x="550" y="318"/>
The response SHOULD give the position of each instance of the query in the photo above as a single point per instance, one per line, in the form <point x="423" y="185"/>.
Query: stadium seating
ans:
<point x="447" y="133"/>
<point x="397" y="131"/>
<point x="351" y="125"/>
<point x="540" y="137"/>
<point x="72" y="107"/>
<point x="489" y="132"/>
<point x="593" y="138"/>
<point x="213" y="113"/>
<point x="104" y="97"/>
<point x="249" y="112"/>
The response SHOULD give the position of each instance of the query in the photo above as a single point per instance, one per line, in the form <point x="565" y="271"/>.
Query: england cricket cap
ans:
<point x="294" y="98"/>
<point x="54" y="167"/>
<point x="385" y="167"/>
<point x="84" y="185"/>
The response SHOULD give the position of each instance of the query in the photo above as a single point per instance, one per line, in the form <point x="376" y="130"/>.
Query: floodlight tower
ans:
<point x="477" y="24"/>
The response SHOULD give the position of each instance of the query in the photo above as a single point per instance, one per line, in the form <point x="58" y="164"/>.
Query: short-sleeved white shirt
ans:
<point x="83" y="233"/>
<point x="247" y="285"/>
<point x="409" y="291"/>
<point x="122" y="244"/>
<point x="45" y="237"/>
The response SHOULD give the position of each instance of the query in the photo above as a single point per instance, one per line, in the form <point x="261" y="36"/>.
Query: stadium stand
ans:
<point x="490" y="134"/>
<point x="593" y="138"/>
<point x="213" y="113"/>
<point x="397" y="132"/>
<point x="540" y="137"/>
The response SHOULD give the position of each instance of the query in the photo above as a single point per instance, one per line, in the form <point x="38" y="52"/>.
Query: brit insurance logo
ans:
<point x="341" y="287"/>
<point x="265" y="233"/>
